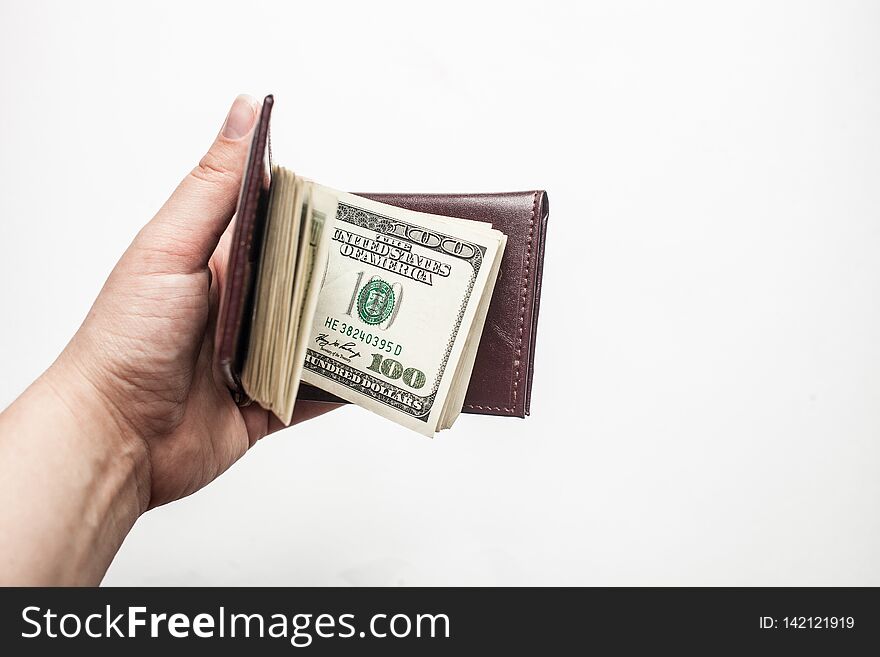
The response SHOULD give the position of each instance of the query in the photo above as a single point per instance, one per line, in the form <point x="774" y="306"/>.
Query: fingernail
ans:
<point x="241" y="117"/>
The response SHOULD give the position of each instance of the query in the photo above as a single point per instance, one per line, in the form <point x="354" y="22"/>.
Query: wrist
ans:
<point x="100" y="430"/>
<point x="88" y="475"/>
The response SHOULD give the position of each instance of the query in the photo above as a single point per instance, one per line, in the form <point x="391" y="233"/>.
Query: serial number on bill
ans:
<point x="368" y="338"/>
<point x="808" y="623"/>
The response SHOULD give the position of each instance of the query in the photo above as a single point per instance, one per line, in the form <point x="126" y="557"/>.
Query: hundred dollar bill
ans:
<point x="401" y="310"/>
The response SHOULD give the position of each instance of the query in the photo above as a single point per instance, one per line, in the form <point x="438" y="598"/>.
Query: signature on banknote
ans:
<point x="347" y="352"/>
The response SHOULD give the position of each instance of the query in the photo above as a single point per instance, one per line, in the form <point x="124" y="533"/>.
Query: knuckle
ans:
<point x="213" y="170"/>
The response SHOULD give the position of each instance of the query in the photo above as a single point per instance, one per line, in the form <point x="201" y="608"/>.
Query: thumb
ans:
<point x="184" y="233"/>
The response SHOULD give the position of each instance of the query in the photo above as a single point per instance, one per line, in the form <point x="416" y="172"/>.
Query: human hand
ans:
<point x="132" y="414"/>
<point x="144" y="354"/>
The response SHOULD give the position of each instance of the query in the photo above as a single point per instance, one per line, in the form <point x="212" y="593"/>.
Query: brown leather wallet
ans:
<point x="501" y="383"/>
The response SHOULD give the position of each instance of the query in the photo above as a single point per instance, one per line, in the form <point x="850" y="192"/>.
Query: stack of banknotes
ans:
<point x="381" y="306"/>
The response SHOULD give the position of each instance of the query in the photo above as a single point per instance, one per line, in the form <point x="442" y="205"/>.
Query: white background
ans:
<point x="706" y="406"/>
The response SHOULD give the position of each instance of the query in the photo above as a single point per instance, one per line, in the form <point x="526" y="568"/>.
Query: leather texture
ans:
<point x="236" y="302"/>
<point x="501" y="382"/>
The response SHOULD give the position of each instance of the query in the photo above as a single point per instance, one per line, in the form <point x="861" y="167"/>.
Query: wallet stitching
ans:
<point x="526" y="280"/>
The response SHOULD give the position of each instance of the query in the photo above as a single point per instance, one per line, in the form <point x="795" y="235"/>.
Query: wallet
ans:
<point x="501" y="382"/>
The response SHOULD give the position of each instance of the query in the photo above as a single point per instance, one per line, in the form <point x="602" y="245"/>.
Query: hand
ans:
<point x="146" y="348"/>
<point x="137" y="381"/>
